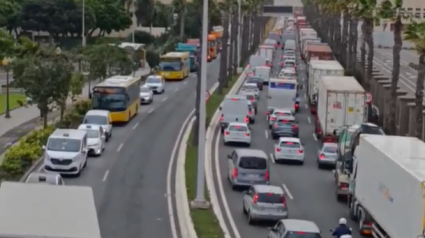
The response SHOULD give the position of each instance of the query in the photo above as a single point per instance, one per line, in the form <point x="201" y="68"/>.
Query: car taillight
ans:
<point x="267" y="175"/>
<point x="246" y="119"/>
<point x="275" y="125"/>
<point x="281" y="63"/>
<point x="272" y="118"/>
<point x="235" y="173"/>
<point x="322" y="156"/>
<point x="300" y="151"/>
<point x="246" y="134"/>
<point x="277" y="149"/>
<point x="255" y="199"/>
<point x="252" y="100"/>
<point x="227" y="132"/>
<point x="343" y="185"/>
<point x="319" y="130"/>
<point x="221" y="118"/>
<point x="283" y="200"/>
<point x="267" y="113"/>
<point x="295" y="126"/>
<point x="297" y="105"/>
<point x="250" y="112"/>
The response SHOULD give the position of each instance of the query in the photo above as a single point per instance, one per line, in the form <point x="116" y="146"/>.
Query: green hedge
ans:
<point x="19" y="158"/>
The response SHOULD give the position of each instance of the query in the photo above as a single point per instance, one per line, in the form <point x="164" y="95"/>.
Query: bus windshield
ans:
<point x="114" y="102"/>
<point x="170" y="66"/>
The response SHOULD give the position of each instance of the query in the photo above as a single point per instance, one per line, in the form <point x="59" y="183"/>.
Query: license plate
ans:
<point x="253" y="175"/>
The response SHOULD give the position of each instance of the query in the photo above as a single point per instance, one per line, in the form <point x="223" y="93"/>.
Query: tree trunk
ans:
<point x="224" y="53"/>
<point x="369" y="42"/>
<point x="353" y="42"/>
<point x="419" y="96"/>
<point x="395" y="75"/>
<point x="231" y="53"/>
<point x="363" y="54"/>
<point x="182" y="19"/>
<point x="344" y="42"/>
<point x="235" y="34"/>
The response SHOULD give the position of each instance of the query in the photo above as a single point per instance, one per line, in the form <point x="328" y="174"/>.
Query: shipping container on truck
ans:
<point x="304" y="42"/>
<point x="302" y="26"/>
<point x="341" y="102"/>
<point x="298" y="11"/>
<point x="304" y="54"/>
<point x="301" y="20"/>
<point x="387" y="184"/>
<point x="319" y="52"/>
<point x="316" y="70"/>
<point x="267" y="51"/>
<point x="48" y="211"/>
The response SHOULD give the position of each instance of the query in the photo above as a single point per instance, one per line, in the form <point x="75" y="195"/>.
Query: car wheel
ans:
<point x="243" y="209"/>
<point x="248" y="144"/>
<point x="301" y="162"/>
<point x="319" y="166"/>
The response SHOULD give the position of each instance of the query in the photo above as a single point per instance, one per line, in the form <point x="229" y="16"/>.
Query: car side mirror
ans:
<point x="273" y="229"/>
<point x="220" y="108"/>
<point x="229" y="156"/>
<point x="43" y="147"/>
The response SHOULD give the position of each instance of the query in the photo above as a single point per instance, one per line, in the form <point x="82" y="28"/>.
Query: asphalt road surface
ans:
<point x="129" y="179"/>
<point x="310" y="192"/>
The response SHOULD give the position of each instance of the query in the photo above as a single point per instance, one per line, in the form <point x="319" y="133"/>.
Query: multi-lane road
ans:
<point x="129" y="180"/>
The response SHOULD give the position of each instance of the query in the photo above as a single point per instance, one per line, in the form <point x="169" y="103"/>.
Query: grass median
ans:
<point x="13" y="101"/>
<point x="205" y="223"/>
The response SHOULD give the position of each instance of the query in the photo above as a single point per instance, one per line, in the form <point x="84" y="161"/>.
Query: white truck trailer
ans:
<point x="319" y="68"/>
<point x="282" y="94"/>
<point x="341" y="102"/>
<point x="267" y="51"/>
<point x="387" y="186"/>
<point x="48" y="211"/>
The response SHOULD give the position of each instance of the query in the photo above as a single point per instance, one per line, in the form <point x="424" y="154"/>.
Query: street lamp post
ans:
<point x="83" y="22"/>
<point x="200" y="202"/>
<point x="5" y="63"/>
<point x="239" y="35"/>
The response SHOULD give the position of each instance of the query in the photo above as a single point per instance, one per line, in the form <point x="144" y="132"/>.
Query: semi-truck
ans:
<point x="341" y="101"/>
<point x="317" y="69"/>
<point x="319" y="51"/>
<point x="48" y="211"/>
<point x="387" y="185"/>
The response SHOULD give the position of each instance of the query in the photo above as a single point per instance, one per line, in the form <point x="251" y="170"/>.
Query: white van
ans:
<point x="66" y="151"/>
<point x="262" y="72"/>
<point x="256" y="60"/>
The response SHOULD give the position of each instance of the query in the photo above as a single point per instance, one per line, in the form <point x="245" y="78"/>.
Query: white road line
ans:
<point x="272" y="158"/>
<point x="305" y="95"/>
<point x="177" y="89"/>
<point x="306" y="106"/>
<point x="150" y="111"/>
<point x="120" y="147"/>
<point x="266" y="133"/>
<point x="287" y="191"/>
<point x="309" y="120"/>
<point x="314" y="136"/>
<point x="135" y="126"/>
<point x="164" y="99"/>
<point x="105" y="176"/>
<point x="185" y="82"/>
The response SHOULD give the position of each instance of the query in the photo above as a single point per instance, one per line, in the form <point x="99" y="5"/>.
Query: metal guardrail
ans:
<point x="12" y="90"/>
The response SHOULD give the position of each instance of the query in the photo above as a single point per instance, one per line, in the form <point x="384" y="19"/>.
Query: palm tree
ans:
<point x="226" y="8"/>
<point x="415" y="32"/>
<point x="179" y="7"/>
<point x="391" y="10"/>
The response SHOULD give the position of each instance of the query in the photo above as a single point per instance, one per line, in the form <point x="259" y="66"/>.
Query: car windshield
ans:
<point x="278" y="113"/>
<point x="111" y="102"/>
<point x="63" y="144"/>
<point x="144" y="90"/>
<point x="170" y="66"/>
<point x="238" y="128"/>
<point x="289" y="64"/>
<point x="290" y="144"/>
<point x="95" y="120"/>
<point x="299" y="234"/>
<point x="92" y="133"/>
<point x="330" y="149"/>
<point x="252" y="163"/>
<point x="288" y="75"/>
<point x="270" y="198"/>
<point x="153" y="80"/>
<point x="249" y="87"/>
<point x="253" y="80"/>
<point x="283" y="126"/>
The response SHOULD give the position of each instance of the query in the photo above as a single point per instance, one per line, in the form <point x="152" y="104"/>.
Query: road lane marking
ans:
<point x="185" y="82"/>
<point x="306" y="106"/>
<point x="287" y="191"/>
<point x="266" y="133"/>
<point x="305" y="95"/>
<point x="309" y="120"/>
<point x="314" y="136"/>
<point x="177" y="89"/>
<point x="150" y="111"/>
<point x="135" y="126"/>
<point x="164" y="99"/>
<point x="105" y="176"/>
<point x="272" y="158"/>
<point x="408" y="73"/>
<point x="120" y="147"/>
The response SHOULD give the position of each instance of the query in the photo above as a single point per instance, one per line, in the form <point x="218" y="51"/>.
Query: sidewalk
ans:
<point x="25" y="119"/>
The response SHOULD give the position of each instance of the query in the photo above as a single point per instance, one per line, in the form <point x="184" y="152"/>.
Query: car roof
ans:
<point x="261" y="188"/>
<point x="97" y="113"/>
<point x="286" y="117"/>
<point x="282" y="110"/>
<point x="68" y="133"/>
<point x="290" y="70"/>
<point x="300" y="225"/>
<point x="289" y="139"/>
<point x="35" y="176"/>
<point x="243" y="92"/>
<point x="155" y="76"/>
<point x="238" y="124"/>
<point x="89" y="126"/>
<point x="251" y="152"/>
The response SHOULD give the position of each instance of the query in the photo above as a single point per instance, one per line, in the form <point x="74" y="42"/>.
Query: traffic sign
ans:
<point x="207" y="96"/>
<point x="369" y="98"/>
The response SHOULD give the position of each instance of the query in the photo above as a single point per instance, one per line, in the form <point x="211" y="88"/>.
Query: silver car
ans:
<point x="265" y="203"/>
<point x="47" y="178"/>
<point x="293" y="228"/>
<point x="145" y="95"/>
<point x="251" y="87"/>
<point x="275" y="113"/>
<point x="237" y="132"/>
<point x="327" y="155"/>
<point x="289" y="149"/>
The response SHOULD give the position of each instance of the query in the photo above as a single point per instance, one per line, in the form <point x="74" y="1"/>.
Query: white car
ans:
<point x="277" y="112"/>
<point x="95" y="138"/>
<point x="101" y="118"/>
<point x="156" y="83"/>
<point x="289" y="149"/>
<point x="287" y="73"/>
<point x="146" y="95"/>
<point x="289" y="63"/>
<point x="251" y="87"/>
<point x="237" y="132"/>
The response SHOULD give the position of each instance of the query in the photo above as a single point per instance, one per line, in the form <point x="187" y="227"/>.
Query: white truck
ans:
<point x="319" y="68"/>
<point x="341" y="101"/>
<point x="307" y="32"/>
<point x="282" y="94"/>
<point x="305" y="40"/>
<point x="48" y="211"/>
<point x="387" y="184"/>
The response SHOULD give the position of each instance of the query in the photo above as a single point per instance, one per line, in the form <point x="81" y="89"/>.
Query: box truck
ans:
<point x="387" y="184"/>
<point x="317" y="69"/>
<point x="341" y="101"/>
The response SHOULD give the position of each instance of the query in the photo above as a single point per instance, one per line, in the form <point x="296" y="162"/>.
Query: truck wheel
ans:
<point x="351" y="212"/>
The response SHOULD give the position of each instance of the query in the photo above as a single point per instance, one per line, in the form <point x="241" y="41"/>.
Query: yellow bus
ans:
<point x="175" y="65"/>
<point x="119" y="95"/>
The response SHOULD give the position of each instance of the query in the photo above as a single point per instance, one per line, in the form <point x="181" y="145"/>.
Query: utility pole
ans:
<point x="83" y="22"/>
<point x="200" y="202"/>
